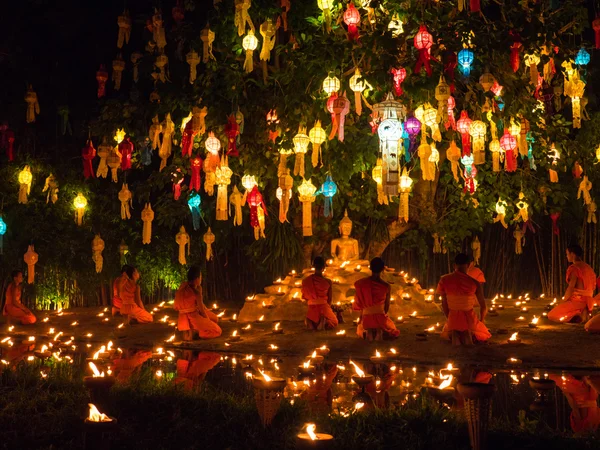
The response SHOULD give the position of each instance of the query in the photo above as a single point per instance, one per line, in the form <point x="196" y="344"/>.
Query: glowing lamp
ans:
<point x="395" y="26"/>
<point x="423" y="42"/>
<point x="508" y="143"/>
<point x="406" y="183"/>
<point x="412" y="126"/>
<point x="194" y="204"/>
<point x="307" y="192"/>
<point x="430" y="117"/>
<point x="486" y="81"/>
<point x="80" y="202"/>
<point x="477" y="130"/>
<point x="317" y="136"/>
<point x="582" y="58"/>
<point x="25" y="178"/>
<point x="249" y="181"/>
<point x="325" y="6"/>
<point x="352" y="19"/>
<point x="495" y="149"/>
<point x="358" y="85"/>
<point x="212" y="144"/>
<point x="328" y="189"/>
<point x="514" y="128"/>
<point x="463" y="125"/>
<point x="465" y="59"/>
<point x="249" y="44"/>
<point x="399" y="76"/>
<point x="331" y="85"/>
<point x="301" y="142"/>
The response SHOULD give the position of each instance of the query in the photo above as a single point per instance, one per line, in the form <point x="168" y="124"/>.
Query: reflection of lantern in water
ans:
<point x="307" y="196"/>
<point x="405" y="189"/>
<point x="79" y="202"/>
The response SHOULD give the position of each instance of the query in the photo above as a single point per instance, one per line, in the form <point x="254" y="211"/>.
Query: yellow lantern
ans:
<point x="25" y="179"/>
<point x="283" y="155"/>
<point x="119" y="135"/>
<point x="358" y="85"/>
<point x="284" y="194"/>
<point x="501" y="212"/>
<point x="249" y="181"/>
<point x="514" y="128"/>
<point x="325" y="6"/>
<point x="523" y="208"/>
<point x="598" y="153"/>
<point x="395" y="26"/>
<point x="405" y="189"/>
<point x="453" y="154"/>
<point x="166" y="146"/>
<point x="249" y="44"/>
<point x="31" y="259"/>
<point x="377" y="174"/>
<point x="147" y="218"/>
<point x="307" y="197"/>
<point x="317" y="136"/>
<point x="33" y="106"/>
<point x="486" y="81"/>
<point x="97" y="249"/>
<point x="532" y="60"/>
<point x="223" y="177"/>
<point x="331" y="85"/>
<point x="442" y="94"/>
<point x="79" y="202"/>
<point x="183" y="240"/>
<point x="496" y="153"/>
<point x="301" y="142"/>
<point x="193" y="59"/>
<point x="430" y="117"/>
<point x="209" y="240"/>
<point x="477" y="130"/>
<point x="434" y="158"/>
<point x="578" y="88"/>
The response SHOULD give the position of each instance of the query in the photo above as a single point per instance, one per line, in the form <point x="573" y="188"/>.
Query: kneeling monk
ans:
<point x="459" y="294"/>
<point x="13" y="308"/>
<point x="193" y="315"/>
<point x="117" y="303"/>
<point x="578" y="298"/>
<point x="373" y="300"/>
<point x="129" y="293"/>
<point x="316" y="290"/>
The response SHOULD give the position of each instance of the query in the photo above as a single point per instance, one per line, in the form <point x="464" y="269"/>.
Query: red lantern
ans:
<point x="196" y="167"/>
<point x="352" y="19"/>
<point x="273" y="120"/>
<point x="255" y="199"/>
<point x="101" y="78"/>
<point x="475" y="6"/>
<point x="10" y="140"/>
<point x="187" y="141"/>
<point x="126" y="150"/>
<point x="470" y="173"/>
<point x="463" y="125"/>
<point x="423" y="42"/>
<point x="232" y="130"/>
<point x="338" y="106"/>
<point x="399" y="76"/>
<point x="596" y="27"/>
<point x="508" y="143"/>
<point x="451" y="123"/>
<point x="555" y="217"/>
<point x="88" y="154"/>
<point x="177" y="180"/>
<point x="515" y="48"/>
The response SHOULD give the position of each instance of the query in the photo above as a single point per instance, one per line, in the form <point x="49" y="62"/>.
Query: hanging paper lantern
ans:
<point x="249" y="181"/>
<point x="307" y="197"/>
<point x="317" y="136"/>
<point x="97" y="249"/>
<point x="188" y="135"/>
<point x="195" y="167"/>
<point x="88" y="153"/>
<point x="237" y="200"/>
<point x="399" y="75"/>
<point x="395" y="26"/>
<point x="147" y="218"/>
<point x="272" y="121"/>
<point x="124" y="23"/>
<point x="358" y="85"/>
<point x="465" y="60"/>
<point x="183" y="241"/>
<point x="338" y="106"/>
<point x="223" y="178"/>
<point x="453" y="154"/>
<point x="352" y="19"/>
<point x="301" y="142"/>
<point x="508" y="143"/>
<point x="168" y="129"/>
<point x="232" y="130"/>
<point x="523" y="208"/>
<point x="135" y="60"/>
<point x="496" y="154"/>
<point x="451" y="122"/>
<point x="390" y="134"/>
<point x="213" y="146"/>
<point x="331" y="85"/>
<point x="79" y="202"/>
<point x="114" y="163"/>
<point x="126" y="150"/>
<point x="501" y="212"/>
<point x="33" y="106"/>
<point x="423" y="42"/>
<point x="405" y="189"/>
<point x="469" y="174"/>
<point x="596" y="27"/>
<point x="486" y="81"/>
<point x="25" y="179"/>
<point x="584" y="190"/>
<point x="522" y="137"/>
<point x="532" y="60"/>
<point x="430" y="117"/>
<point x="515" y="48"/>
<point x="126" y="199"/>
<point x="464" y="126"/>
<point x="257" y="212"/>
<point x="193" y="59"/>
<point x="104" y="151"/>
<point x="427" y="168"/>
<point x="198" y="120"/>
<point x="118" y="66"/>
<point x="101" y="78"/>
<point x="194" y="202"/>
<point x="328" y="189"/>
<point x="442" y="94"/>
<point x="267" y="31"/>
<point x="209" y="240"/>
<point x="249" y="44"/>
<point x="477" y="130"/>
<point x="31" y="259"/>
<point x="3" y="228"/>
<point x="161" y="62"/>
<point x="377" y="174"/>
<point x="325" y="6"/>
<point x="284" y="194"/>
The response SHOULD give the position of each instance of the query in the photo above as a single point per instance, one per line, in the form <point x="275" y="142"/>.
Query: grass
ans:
<point x="47" y="414"/>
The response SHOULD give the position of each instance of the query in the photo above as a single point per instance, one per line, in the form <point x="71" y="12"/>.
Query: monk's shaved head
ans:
<point x="319" y="263"/>
<point x="377" y="265"/>
<point x="461" y="259"/>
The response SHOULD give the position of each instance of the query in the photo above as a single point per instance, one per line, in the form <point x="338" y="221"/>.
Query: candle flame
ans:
<point x="446" y="383"/>
<point x="377" y="354"/>
<point x="277" y="326"/>
<point x="44" y="348"/>
<point x="310" y="430"/>
<point x="314" y="354"/>
<point x="234" y="317"/>
<point x="393" y="350"/>
<point x="535" y="320"/>
<point x="235" y="332"/>
<point x="171" y="339"/>
<point x="95" y="370"/>
<point x="261" y="318"/>
<point x="341" y="333"/>
<point x="221" y="314"/>
<point x="357" y="369"/>
<point x="414" y="314"/>
<point x="513" y="337"/>
<point x="59" y="334"/>
<point x="247" y="327"/>
<point x="358" y="406"/>
<point x="97" y="416"/>
<point x="266" y="377"/>
<point x="273" y="347"/>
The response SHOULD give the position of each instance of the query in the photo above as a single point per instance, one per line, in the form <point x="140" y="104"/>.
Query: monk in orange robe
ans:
<point x="578" y="299"/>
<point x="129" y="293"/>
<point x="583" y="400"/>
<point x="475" y="272"/>
<point x="125" y="366"/>
<point x="319" y="395"/>
<point x="117" y="303"/>
<point x="14" y="310"/>
<point x="373" y="300"/>
<point x="459" y="294"/>
<point x="192" y="371"/>
<point x="316" y="290"/>
<point x="193" y="315"/>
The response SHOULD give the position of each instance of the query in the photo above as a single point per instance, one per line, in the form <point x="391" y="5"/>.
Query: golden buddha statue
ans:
<point x="344" y="248"/>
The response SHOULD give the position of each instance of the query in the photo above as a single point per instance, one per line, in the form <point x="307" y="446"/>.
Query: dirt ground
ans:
<point x="562" y="346"/>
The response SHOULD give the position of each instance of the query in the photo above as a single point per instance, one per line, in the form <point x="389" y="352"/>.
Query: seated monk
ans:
<point x="583" y="400"/>
<point x="578" y="298"/>
<point x="373" y="300"/>
<point x="129" y="293"/>
<point x="14" y="310"/>
<point x="193" y="315"/>
<point x="475" y="272"/>
<point x="117" y="303"/>
<point x="459" y="293"/>
<point x="316" y="290"/>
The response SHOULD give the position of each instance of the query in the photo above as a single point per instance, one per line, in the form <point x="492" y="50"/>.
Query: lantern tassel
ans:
<point x="403" y="207"/>
<point x="307" y="217"/>
<point x="222" y="203"/>
<point x="299" y="165"/>
<point x="249" y="63"/>
<point x="358" y="102"/>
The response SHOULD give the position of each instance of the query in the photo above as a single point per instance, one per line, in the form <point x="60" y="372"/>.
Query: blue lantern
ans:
<point x="582" y="58"/>
<point x="500" y="103"/>
<point x="194" y="205"/>
<point x="406" y="143"/>
<point x="2" y="232"/>
<point x="328" y="189"/>
<point x="465" y="59"/>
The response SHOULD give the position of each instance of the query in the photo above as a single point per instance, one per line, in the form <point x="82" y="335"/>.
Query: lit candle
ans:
<point x="377" y="357"/>
<point x="235" y="336"/>
<point x="277" y="328"/>
<point x="514" y="339"/>
<point x="513" y="361"/>
<point x="520" y="319"/>
<point x="406" y="296"/>
<point x="96" y="416"/>
<point x="233" y="318"/>
<point x="311" y="439"/>
<point x="323" y="350"/>
<point x="400" y="319"/>
<point x="534" y="322"/>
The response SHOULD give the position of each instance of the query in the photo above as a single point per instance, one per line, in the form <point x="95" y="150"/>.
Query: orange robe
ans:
<point x="477" y="274"/>
<point x="117" y="303"/>
<point x="460" y="290"/>
<point x="585" y="398"/>
<point x="582" y="296"/>
<point x="130" y="307"/>
<point x="319" y="395"/>
<point x="14" y="309"/>
<point x="192" y="373"/>
<point x="190" y="318"/>
<point x="315" y="290"/>
<point x="370" y="299"/>
<point x="125" y="366"/>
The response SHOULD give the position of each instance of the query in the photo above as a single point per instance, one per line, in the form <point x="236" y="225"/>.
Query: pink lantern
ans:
<point x="352" y="19"/>
<point x="463" y="125"/>
<point x="508" y="143"/>
<point x="399" y="76"/>
<point x="423" y="42"/>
